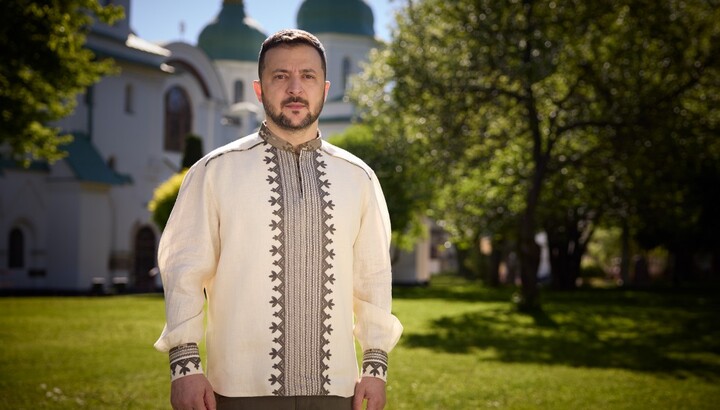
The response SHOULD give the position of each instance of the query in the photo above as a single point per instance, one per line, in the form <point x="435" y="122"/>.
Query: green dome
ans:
<point x="336" y="16"/>
<point x="233" y="35"/>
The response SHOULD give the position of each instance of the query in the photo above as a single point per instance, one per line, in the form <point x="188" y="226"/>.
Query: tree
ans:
<point x="550" y="91"/>
<point x="500" y="96"/>
<point x="44" y="66"/>
<point x="405" y="191"/>
<point x="661" y="84"/>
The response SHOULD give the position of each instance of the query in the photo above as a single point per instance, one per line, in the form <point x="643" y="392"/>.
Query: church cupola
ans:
<point x="336" y="16"/>
<point x="232" y="35"/>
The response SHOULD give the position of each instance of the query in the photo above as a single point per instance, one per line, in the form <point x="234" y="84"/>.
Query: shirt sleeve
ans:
<point x="187" y="259"/>
<point x="376" y="329"/>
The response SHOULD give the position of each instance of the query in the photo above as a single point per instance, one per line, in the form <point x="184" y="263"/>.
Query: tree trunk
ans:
<point x="682" y="265"/>
<point x="574" y="262"/>
<point x="471" y="263"/>
<point x="568" y="242"/>
<point x="527" y="248"/>
<point x="529" y="260"/>
<point x="558" y="260"/>
<point x="625" y="253"/>
<point x="493" y="275"/>
<point x="463" y="269"/>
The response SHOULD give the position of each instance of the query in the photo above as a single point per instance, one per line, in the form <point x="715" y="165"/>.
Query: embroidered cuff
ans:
<point x="375" y="364"/>
<point x="184" y="361"/>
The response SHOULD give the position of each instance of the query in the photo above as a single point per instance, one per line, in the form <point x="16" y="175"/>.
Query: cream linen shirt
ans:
<point x="291" y="247"/>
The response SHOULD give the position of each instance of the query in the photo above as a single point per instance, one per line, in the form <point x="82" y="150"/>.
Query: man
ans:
<point x="288" y="236"/>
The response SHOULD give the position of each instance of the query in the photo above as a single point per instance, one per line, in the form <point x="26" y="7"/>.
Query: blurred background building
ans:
<point x="82" y="223"/>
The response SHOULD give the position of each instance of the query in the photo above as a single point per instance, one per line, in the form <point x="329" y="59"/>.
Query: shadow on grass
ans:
<point x="453" y="290"/>
<point x="674" y="333"/>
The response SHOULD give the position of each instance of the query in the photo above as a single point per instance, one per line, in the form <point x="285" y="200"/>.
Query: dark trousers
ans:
<point x="284" y="403"/>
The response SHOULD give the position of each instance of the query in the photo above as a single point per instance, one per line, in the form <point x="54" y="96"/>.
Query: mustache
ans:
<point x="295" y="100"/>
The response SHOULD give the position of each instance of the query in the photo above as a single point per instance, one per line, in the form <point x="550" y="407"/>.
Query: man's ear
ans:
<point x="327" y="87"/>
<point x="258" y="90"/>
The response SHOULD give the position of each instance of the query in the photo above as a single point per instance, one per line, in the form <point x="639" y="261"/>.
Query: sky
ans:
<point x="160" y="20"/>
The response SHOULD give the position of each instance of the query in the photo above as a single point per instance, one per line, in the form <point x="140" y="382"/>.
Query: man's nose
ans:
<point x="295" y="86"/>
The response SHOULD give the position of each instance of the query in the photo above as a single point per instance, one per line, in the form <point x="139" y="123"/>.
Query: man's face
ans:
<point x="292" y="88"/>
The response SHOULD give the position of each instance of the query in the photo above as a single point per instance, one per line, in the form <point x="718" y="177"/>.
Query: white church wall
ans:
<point x="122" y="133"/>
<point x="231" y="71"/>
<point x="341" y="46"/>
<point x="22" y="206"/>
<point x="94" y="235"/>
<point x="252" y="115"/>
<point x="63" y="219"/>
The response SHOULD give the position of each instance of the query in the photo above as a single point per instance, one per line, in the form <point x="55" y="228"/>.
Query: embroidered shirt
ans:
<point x="291" y="247"/>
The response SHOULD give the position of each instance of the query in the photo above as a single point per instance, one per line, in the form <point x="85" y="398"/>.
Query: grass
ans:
<point x="464" y="347"/>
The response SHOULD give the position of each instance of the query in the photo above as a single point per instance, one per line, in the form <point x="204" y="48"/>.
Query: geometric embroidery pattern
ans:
<point x="375" y="363"/>
<point x="182" y="356"/>
<point x="302" y="275"/>
<point x="277" y="275"/>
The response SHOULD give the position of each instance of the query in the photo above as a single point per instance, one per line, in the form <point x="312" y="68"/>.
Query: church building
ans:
<point x="82" y="223"/>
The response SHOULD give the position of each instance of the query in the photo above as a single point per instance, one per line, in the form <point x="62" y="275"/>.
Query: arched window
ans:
<point x="239" y="94"/>
<point x="178" y="118"/>
<point x="16" y="256"/>
<point x="346" y="71"/>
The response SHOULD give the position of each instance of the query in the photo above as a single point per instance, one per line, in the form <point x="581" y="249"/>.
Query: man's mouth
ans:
<point x="295" y="104"/>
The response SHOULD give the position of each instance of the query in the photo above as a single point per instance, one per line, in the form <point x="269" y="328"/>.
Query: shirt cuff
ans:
<point x="375" y="364"/>
<point x="185" y="361"/>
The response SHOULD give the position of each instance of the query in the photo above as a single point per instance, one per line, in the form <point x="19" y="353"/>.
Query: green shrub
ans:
<point x="164" y="198"/>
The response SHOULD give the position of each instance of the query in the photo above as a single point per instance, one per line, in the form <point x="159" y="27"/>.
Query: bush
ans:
<point x="164" y="198"/>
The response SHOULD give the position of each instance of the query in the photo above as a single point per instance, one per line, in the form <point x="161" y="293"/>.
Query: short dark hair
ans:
<point x="291" y="38"/>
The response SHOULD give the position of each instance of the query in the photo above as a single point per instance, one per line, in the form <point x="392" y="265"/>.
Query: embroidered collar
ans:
<point x="280" y="143"/>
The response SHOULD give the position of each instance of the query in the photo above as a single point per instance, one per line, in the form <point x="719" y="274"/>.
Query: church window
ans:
<point x="346" y="71"/>
<point x="239" y="92"/>
<point x="129" y="99"/>
<point x="16" y="256"/>
<point x="178" y="118"/>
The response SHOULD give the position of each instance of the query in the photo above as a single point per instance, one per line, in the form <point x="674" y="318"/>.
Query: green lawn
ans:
<point x="464" y="347"/>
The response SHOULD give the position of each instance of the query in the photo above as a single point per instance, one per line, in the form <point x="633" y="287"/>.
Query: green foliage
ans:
<point x="44" y="66"/>
<point x="406" y="192"/>
<point x="193" y="150"/>
<point x="164" y="197"/>
<point x="551" y="115"/>
<point x="665" y="71"/>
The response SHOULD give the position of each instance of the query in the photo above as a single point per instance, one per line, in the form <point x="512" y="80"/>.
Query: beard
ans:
<point x="282" y="121"/>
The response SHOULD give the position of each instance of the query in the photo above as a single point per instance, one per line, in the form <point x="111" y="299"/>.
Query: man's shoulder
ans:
<point x="348" y="157"/>
<point x="242" y="144"/>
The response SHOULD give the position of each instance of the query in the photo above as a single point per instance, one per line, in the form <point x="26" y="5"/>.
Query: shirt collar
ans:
<point x="280" y="143"/>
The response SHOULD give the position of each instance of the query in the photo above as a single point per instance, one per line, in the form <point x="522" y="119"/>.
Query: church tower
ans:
<point x="232" y="41"/>
<point x="346" y="29"/>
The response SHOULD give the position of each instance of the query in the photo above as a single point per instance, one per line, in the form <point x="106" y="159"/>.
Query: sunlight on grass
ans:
<point x="464" y="347"/>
